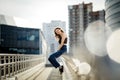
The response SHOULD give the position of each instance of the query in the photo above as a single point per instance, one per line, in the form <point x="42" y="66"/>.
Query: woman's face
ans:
<point x="58" y="31"/>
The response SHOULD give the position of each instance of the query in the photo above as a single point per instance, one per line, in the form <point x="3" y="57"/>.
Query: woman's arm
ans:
<point x="62" y="41"/>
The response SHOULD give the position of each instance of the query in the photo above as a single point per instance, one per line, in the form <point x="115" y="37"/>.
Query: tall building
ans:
<point x="79" y="18"/>
<point x="97" y="15"/>
<point x="78" y="21"/>
<point x="48" y="30"/>
<point x="112" y="17"/>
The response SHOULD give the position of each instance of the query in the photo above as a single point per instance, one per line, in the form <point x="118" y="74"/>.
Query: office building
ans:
<point x="80" y="16"/>
<point x="18" y="40"/>
<point x="97" y="15"/>
<point x="78" y="22"/>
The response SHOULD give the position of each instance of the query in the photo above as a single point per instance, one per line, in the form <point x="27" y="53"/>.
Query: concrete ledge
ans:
<point x="67" y="74"/>
<point x="81" y="69"/>
<point x="34" y="76"/>
<point x="28" y="73"/>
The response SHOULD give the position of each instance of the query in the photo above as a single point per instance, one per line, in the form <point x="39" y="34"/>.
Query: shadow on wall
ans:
<point x="96" y="54"/>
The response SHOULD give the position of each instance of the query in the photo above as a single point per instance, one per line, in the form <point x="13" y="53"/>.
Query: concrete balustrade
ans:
<point x="12" y="64"/>
<point x="82" y="69"/>
<point x="67" y="75"/>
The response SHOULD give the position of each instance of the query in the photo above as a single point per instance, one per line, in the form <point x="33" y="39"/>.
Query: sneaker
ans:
<point x="61" y="69"/>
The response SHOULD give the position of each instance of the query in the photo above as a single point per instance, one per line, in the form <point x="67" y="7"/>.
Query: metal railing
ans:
<point x="12" y="64"/>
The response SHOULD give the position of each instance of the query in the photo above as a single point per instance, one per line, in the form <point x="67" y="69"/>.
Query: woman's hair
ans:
<point x="57" y="35"/>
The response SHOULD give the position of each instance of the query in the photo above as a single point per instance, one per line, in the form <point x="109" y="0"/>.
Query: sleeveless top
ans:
<point x="60" y="39"/>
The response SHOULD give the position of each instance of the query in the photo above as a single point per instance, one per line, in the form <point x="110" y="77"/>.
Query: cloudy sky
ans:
<point x="38" y="11"/>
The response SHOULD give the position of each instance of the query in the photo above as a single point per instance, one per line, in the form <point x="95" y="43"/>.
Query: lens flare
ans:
<point x="95" y="38"/>
<point x="113" y="46"/>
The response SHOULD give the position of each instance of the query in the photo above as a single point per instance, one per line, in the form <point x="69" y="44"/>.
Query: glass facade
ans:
<point x="19" y="40"/>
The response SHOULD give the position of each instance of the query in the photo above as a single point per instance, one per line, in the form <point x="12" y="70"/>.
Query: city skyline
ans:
<point x="37" y="12"/>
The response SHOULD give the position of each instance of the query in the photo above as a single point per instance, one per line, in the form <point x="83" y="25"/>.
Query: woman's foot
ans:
<point x="61" y="69"/>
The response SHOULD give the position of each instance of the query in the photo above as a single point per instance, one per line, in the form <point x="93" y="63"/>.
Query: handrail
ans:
<point x="12" y="64"/>
<point x="18" y="62"/>
<point x="80" y="68"/>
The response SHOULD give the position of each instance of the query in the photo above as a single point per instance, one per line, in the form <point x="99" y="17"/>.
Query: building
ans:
<point x="97" y="15"/>
<point x="48" y="30"/>
<point x="78" y="21"/>
<point x="112" y="8"/>
<point x="80" y="16"/>
<point x="19" y="40"/>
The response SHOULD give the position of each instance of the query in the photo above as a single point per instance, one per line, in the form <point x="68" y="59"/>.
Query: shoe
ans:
<point x="61" y="69"/>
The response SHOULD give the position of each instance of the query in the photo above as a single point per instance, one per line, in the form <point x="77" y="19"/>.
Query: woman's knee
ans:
<point x="50" y="57"/>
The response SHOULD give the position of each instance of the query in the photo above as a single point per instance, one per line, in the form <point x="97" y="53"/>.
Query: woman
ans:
<point x="62" y="39"/>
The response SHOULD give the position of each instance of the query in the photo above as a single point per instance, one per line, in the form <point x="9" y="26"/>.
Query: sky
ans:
<point x="37" y="12"/>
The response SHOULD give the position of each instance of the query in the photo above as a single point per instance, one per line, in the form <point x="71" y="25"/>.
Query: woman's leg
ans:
<point x="53" y="60"/>
<point x="53" y="57"/>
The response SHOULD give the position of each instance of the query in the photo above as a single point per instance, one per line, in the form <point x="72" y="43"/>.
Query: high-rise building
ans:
<point x="78" y="21"/>
<point x="97" y="15"/>
<point x="112" y="17"/>
<point x="80" y="16"/>
<point x="48" y="30"/>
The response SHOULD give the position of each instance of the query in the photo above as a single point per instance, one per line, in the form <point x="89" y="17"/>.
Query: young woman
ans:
<point x="62" y="48"/>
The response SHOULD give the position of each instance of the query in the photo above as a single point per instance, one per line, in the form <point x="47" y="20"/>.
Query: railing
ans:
<point x="12" y="64"/>
<point x="81" y="69"/>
